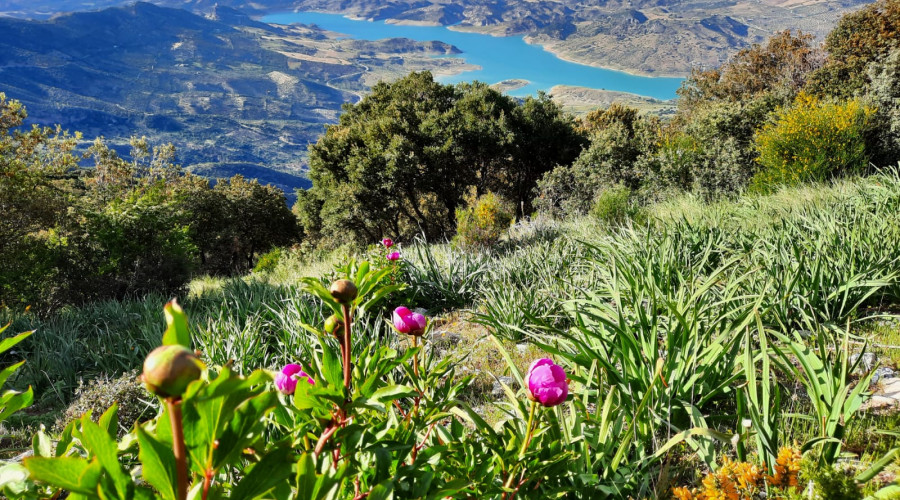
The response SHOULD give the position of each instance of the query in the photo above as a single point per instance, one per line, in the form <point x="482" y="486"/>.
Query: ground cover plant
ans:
<point x="716" y="335"/>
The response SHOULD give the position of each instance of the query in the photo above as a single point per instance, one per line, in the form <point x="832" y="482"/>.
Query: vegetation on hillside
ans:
<point x="72" y="235"/>
<point x="690" y="312"/>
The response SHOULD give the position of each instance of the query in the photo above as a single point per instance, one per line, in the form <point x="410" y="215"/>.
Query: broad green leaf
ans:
<point x="393" y="392"/>
<point x="265" y="475"/>
<point x="41" y="445"/>
<point x="101" y="445"/>
<point x="176" y="325"/>
<point x="6" y="344"/>
<point x="109" y="421"/>
<point x="158" y="464"/>
<point x="62" y="472"/>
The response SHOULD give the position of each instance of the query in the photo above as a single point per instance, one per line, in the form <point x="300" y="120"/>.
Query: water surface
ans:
<point x="500" y="58"/>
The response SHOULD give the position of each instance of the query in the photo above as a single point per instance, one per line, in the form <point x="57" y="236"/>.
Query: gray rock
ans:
<point x="444" y="338"/>
<point x="882" y="373"/>
<point x="497" y="389"/>
<point x="522" y="347"/>
<point x="867" y="362"/>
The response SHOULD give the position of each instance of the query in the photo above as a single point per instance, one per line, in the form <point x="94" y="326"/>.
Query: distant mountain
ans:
<point x="234" y="95"/>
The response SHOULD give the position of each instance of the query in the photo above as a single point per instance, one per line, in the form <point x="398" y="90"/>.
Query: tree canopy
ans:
<point x="401" y="160"/>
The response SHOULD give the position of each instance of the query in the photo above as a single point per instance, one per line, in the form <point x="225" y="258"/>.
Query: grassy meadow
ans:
<point x="697" y="286"/>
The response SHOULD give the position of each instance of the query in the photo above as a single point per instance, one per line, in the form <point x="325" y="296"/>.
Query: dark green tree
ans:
<point x="401" y="161"/>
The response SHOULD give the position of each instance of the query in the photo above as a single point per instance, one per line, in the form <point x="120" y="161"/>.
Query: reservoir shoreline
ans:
<point x="500" y="57"/>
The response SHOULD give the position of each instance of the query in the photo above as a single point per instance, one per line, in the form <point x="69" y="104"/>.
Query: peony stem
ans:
<point x="348" y="320"/>
<point x="530" y="429"/>
<point x="178" y="447"/>
<point x="512" y="473"/>
<point x="415" y="343"/>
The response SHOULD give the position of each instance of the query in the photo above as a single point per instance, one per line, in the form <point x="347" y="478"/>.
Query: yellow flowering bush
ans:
<point x="483" y="221"/>
<point x="743" y="480"/>
<point x="812" y="140"/>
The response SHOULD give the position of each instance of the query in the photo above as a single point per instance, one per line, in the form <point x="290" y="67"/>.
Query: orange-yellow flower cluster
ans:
<point x="742" y="480"/>
<point x="787" y="468"/>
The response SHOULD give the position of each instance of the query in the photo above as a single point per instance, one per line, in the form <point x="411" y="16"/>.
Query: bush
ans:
<point x="483" y="221"/>
<point x="619" y="140"/>
<point x="614" y="205"/>
<point x="269" y="261"/>
<point x="99" y="394"/>
<point x="812" y="140"/>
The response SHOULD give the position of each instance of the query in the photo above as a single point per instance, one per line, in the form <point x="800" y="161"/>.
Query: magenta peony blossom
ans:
<point x="547" y="382"/>
<point x="286" y="380"/>
<point x="406" y="321"/>
<point x="387" y="242"/>
<point x="393" y="256"/>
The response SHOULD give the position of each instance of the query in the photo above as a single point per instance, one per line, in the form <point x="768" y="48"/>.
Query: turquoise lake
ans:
<point x="501" y="58"/>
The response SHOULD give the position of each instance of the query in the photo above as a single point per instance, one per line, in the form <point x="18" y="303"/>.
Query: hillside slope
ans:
<point x="233" y="95"/>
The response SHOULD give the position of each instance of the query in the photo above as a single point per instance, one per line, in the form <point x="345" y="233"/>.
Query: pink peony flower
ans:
<point x="547" y="382"/>
<point x="286" y="380"/>
<point x="387" y="242"/>
<point x="411" y="323"/>
<point x="393" y="256"/>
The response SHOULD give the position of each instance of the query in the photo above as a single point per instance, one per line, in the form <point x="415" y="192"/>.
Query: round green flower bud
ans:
<point x="332" y="324"/>
<point x="169" y="369"/>
<point x="344" y="291"/>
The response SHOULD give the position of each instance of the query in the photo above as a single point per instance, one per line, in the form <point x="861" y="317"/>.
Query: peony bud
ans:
<point x="393" y="256"/>
<point x="286" y="380"/>
<point x="387" y="242"/>
<point x="408" y="322"/>
<point x="344" y="291"/>
<point x="547" y="382"/>
<point x="332" y="324"/>
<point x="169" y="369"/>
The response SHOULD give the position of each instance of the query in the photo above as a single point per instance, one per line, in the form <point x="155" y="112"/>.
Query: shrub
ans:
<point x="614" y="205"/>
<point x="483" y="222"/>
<point x="619" y="139"/>
<point x="269" y="261"/>
<point x="812" y="140"/>
<point x="99" y="394"/>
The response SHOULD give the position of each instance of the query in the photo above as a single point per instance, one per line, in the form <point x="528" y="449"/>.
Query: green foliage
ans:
<point x="12" y="401"/>
<point x="834" y="484"/>
<point x="860" y="39"/>
<point x="812" y="141"/>
<point x="401" y="161"/>
<point x="614" y="205"/>
<point x="483" y="221"/>
<point x="780" y="67"/>
<point x="74" y="235"/>
<point x="618" y="139"/>
<point x="269" y="261"/>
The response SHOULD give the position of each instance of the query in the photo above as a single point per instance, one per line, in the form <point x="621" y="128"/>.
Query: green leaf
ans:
<point x="9" y="370"/>
<point x="62" y="472"/>
<point x="265" y="475"/>
<point x="41" y="444"/>
<point x="176" y="325"/>
<point x="158" y="464"/>
<point x="866" y="475"/>
<point x="382" y="491"/>
<point x="393" y="392"/>
<point x="13" y="479"/>
<point x="13" y="401"/>
<point x="98" y="442"/>
<point x="109" y="421"/>
<point x="6" y="344"/>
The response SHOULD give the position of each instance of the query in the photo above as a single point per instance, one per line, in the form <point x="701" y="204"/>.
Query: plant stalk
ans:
<point x="348" y="320"/>
<point x="530" y="430"/>
<point x="178" y="447"/>
<point x="415" y="343"/>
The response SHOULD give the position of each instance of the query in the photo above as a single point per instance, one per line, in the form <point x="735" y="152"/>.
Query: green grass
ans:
<point x="691" y="278"/>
